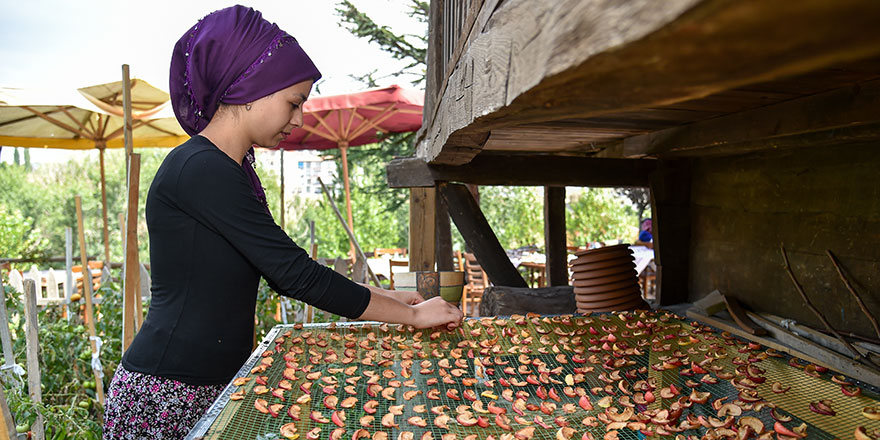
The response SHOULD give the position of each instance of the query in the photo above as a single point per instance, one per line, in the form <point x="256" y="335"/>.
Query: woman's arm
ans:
<point x="434" y="312"/>
<point x="406" y="296"/>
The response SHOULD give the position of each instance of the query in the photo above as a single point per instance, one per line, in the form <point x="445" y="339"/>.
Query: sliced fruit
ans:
<point x="288" y="431"/>
<point x="338" y="418"/>
<point x="466" y="419"/>
<point x="783" y="430"/>
<point x="318" y="417"/>
<point x="294" y="412"/>
<point x="388" y="421"/>
<point x="238" y="395"/>
<point x="871" y="412"/>
<point x="314" y="434"/>
<point x="822" y="407"/>
<point x="565" y="433"/>
<point x="262" y="406"/>
<point x="366" y="421"/>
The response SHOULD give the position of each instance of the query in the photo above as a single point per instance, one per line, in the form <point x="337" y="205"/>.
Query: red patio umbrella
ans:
<point x="353" y="119"/>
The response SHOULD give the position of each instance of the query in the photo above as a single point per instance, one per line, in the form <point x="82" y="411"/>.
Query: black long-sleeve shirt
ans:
<point x="210" y="241"/>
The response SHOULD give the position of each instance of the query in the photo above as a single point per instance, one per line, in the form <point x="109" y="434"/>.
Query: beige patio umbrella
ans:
<point x="90" y="117"/>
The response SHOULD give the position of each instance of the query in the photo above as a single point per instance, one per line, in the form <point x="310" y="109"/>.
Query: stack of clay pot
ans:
<point x="605" y="280"/>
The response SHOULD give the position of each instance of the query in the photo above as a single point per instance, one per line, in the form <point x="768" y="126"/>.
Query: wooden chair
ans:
<point x="378" y="252"/>
<point x="477" y="281"/>
<point x="391" y="265"/>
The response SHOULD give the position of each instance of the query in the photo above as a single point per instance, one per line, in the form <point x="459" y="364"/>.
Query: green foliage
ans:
<point x="44" y="197"/>
<point x="599" y="214"/>
<point x="18" y="238"/>
<point x="515" y="213"/>
<point x="68" y="404"/>
<point x="411" y="48"/>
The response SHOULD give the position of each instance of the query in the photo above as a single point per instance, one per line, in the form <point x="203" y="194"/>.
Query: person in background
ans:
<point x="646" y="237"/>
<point x="236" y="81"/>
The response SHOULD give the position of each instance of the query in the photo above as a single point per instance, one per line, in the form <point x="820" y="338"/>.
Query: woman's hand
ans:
<point x="436" y="312"/>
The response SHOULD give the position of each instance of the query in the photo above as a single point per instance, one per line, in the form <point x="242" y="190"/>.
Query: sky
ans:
<point x="72" y="44"/>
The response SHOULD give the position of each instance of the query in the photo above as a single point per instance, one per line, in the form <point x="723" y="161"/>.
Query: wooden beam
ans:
<point x="87" y="293"/>
<point x="478" y="235"/>
<point x="422" y="239"/>
<point x="587" y="59"/>
<point x="670" y="201"/>
<point x="523" y="171"/>
<point x="554" y="236"/>
<point x="443" y="230"/>
<point x="847" y="107"/>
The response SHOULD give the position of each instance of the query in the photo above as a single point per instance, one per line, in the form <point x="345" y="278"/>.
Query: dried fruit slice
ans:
<point x="417" y="421"/>
<point x="288" y="431"/>
<point x="338" y="418"/>
<point x="466" y="419"/>
<point x="262" y="406"/>
<point x="370" y="406"/>
<point x="388" y="421"/>
<point x="871" y="412"/>
<point x="238" y="395"/>
<point x="239" y="381"/>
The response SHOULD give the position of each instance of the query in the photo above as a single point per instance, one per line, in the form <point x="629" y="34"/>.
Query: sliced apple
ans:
<point x="405" y="435"/>
<point x="262" y="406"/>
<point x="388" y="393"/>
<point x="417" y="421"/>
<point x="288" y="431"/>
<point x="862" y="434"/>
<point x="871" y="412"/>
<point x="370" y="406"/>
<point x="397" y="410"/>
<point x="314" y="434"/>
<point x="466" y="419"/>
<point x="452" y="393"/>
<point x="260" y="389"/>
<point x="338" y="418"/>
<point x="783" y="430"/>
<point x="318" y="417"/>
<point x="366" y="421"/>
<point x="433" y="394"/>
<point x="348" y="402"/>
<point x="360" y="434"/>
<point x="388" y="421"/>
<point x="526" y="433"/>
<point x="753" y="423"/>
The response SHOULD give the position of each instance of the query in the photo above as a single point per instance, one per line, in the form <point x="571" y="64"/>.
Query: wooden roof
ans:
<point x="655" y="79"/>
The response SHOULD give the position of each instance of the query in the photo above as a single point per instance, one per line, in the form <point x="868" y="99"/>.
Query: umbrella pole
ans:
<point x="281" y="156"/>
<point x="343" y="149"/>
<point x="101" y="149"/>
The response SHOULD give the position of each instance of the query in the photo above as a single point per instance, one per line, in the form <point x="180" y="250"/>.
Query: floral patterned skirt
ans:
<point x="141" y="406"/>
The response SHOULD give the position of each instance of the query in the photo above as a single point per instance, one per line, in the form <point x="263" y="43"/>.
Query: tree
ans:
<point x="639" y="196"/>
<point x="600" y="214"/>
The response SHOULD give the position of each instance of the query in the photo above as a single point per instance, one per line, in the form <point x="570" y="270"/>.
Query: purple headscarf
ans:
<point x="233" y="56"/>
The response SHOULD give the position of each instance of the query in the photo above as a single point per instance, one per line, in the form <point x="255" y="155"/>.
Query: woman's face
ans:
<point x="273" y="117"/>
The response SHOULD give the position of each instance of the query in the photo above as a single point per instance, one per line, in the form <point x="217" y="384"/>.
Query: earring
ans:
<point x="247" y="107"/>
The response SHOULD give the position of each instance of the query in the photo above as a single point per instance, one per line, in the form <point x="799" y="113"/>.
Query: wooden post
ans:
<point x="8" y="353"/>
<point x="443" y="229"/>
<point x="478" y="235"/>
<point x="132" y="266"/>
<point x="31" y="332"/>
<point x="69" y="284"/>
<point x="101" y="149"/>
<point x="343" y="150"/>
<point x="126" y="112"/>
<point x="422" y="208"/>
<point x="87" y="293"/>
<point x="281" y="159"/>
<point x="7" y="424"/>
<point x="670" y="201"/>
<point x="554" y="236"/>
<point x="313" y="249"/>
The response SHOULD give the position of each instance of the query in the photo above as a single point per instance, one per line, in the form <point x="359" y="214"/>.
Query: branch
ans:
<point x="800" y="289"/>
<point x="853" y="292"/>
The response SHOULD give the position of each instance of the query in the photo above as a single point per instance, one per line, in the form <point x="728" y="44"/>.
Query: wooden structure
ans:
<point x="752" y="122"/>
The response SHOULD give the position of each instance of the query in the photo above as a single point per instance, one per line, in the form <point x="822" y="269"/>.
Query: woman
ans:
<point x="236" y="81"/>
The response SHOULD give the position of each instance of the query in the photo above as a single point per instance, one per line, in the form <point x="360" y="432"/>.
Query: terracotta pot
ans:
<point x="598" y="281"/>
<point x="601" y="250"/>
<point x="634" y="305"/>
<point x="610" y="287"/>
<point x="590" y="274"/>
<point x="602" y="264"/>
<point x="610" y="298"/>
<point x="602" y="256"/>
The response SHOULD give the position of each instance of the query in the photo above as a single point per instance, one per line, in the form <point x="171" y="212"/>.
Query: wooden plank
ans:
<point x="840" y="108"/>
<point x="787" y="343"/>
<point x="555" y="239"/>
<point x="523" y="171"/>
<point x="741" y="317"/>
<point x="670" y="202"/>
<point x="422" y="206"/>
<point x="443" y="230"/>
<point x="584" y="59"/>
<point x="32" y="331"/>
<point x="478" y="235"/>
<point x="130" y="320"/>
<point x="87" y="293"/>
